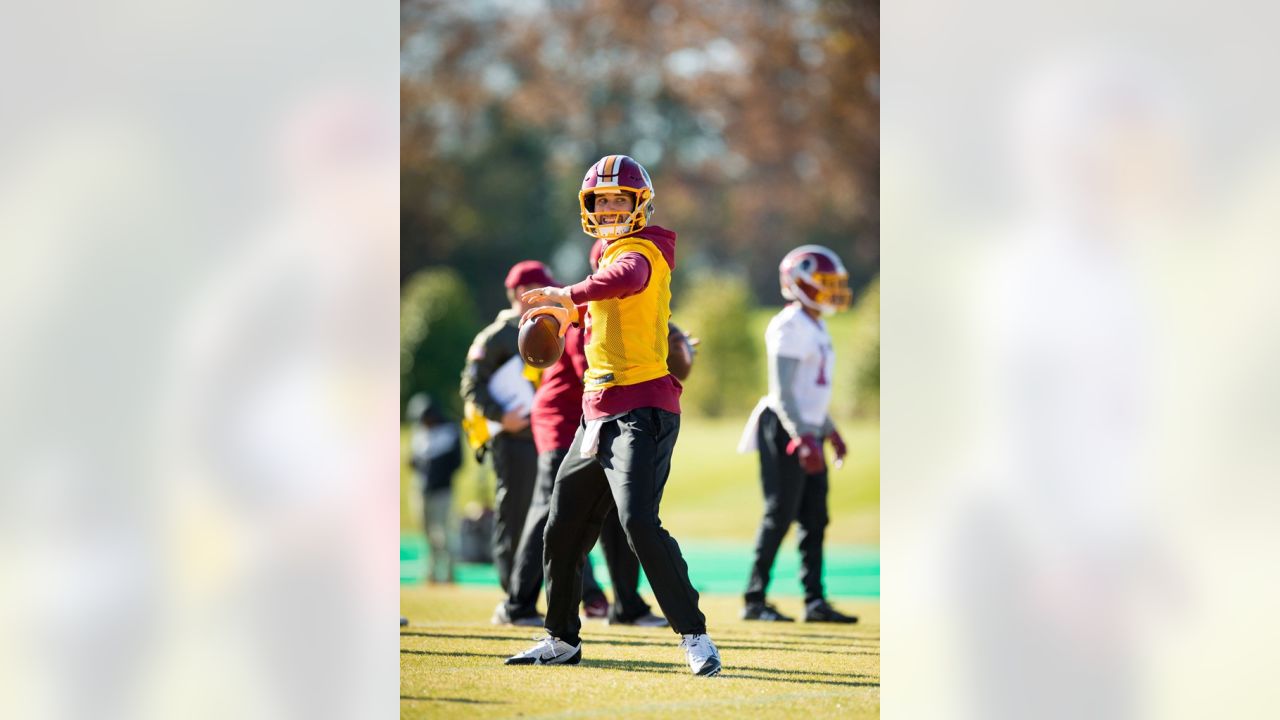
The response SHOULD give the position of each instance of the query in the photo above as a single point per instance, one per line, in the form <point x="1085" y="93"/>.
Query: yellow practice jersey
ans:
<point x="628" y="341"/>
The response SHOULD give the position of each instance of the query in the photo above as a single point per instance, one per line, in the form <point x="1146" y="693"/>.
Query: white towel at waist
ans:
<point x="748" y="441"/>
<point x="591" y="438"/>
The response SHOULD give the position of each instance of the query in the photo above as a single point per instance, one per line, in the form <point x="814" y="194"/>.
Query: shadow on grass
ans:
<point x="448" y="700"/>
<point x="834" y="636"/>
<point x="469" y="637"/>
<point x="820" y="673"/>
<point x="750" y="673"/>
<point x="783" y="638"/>
<point x="442" y="653"/>
<point x="755" y="643"/>
<point x="797" y="677"/>
<point x="766" y="636"/>
<point x="798" y="681"/>
<point x="750" y="633"/>
<point x="852" y="650"/>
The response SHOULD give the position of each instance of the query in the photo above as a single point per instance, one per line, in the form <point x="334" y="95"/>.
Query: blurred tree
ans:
<point x="437" y="323"/>
<point x="481" y="210"/>
<point x="866" y="352"/>
<point x="759" y="122"/>
<point x="718" y="309"/>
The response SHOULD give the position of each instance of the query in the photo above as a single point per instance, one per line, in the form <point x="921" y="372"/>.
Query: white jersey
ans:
<point x="793" y="334"/>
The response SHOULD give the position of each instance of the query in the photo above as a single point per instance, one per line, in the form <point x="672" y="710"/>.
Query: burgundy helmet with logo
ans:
<point x="815" y="276"/>
<point x="616" y="173"/>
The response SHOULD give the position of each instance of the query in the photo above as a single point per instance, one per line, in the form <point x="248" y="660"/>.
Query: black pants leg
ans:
<point x="526" y="571"/>
<point x="515" y="462"/>
<point x="624" y="570"/>
<point x="580" y="500"/>
<point x="811" y="529"/>
<point x="590" y="586"/>
<point x="635" y="451"/>
<point x="783" y="481"/>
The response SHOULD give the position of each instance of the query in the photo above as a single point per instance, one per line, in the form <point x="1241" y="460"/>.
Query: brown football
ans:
<point x="540" y="341"/>
<point x="679" y="353"/>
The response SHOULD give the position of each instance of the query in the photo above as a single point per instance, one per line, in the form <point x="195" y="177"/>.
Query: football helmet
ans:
<point x="815" y="276"/>
<point x="616" y="173"/>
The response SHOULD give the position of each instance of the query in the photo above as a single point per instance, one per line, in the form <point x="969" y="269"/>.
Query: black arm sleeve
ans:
<point x="476" y="374"/>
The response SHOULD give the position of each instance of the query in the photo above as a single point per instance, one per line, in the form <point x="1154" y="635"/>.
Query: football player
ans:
<point x="504" y="431"/>
<point x="790" y="425"/>
<point x="557" y="411"/>
<point x="621" y="452"/>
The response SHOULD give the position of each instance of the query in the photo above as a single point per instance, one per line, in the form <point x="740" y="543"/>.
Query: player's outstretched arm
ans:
<point x="626" y="276"/>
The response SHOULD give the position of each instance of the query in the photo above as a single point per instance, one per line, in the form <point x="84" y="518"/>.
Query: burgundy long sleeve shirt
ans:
<point x="557" y="405"/>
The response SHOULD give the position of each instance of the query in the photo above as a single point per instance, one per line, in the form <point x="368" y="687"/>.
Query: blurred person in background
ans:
<point x="497" y="388"/>
<point x="790" y="425"/>
<point x="557" y="412"/>
<point x="436" y="456"/>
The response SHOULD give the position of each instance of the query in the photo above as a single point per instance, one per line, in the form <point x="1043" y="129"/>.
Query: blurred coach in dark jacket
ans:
<point x="436" y="455"/>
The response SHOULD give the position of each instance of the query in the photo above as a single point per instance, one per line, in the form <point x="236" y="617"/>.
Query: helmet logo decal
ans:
<point x="814" y="276"/>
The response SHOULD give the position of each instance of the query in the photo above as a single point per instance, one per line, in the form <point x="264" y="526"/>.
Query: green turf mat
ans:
<point x="714" y="567"/>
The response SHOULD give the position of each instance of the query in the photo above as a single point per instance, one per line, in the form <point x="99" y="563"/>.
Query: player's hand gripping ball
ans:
<point x="680" y="352"/>
<point x="541" y="342"/>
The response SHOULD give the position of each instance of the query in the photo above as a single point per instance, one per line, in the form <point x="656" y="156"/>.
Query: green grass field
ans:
<point x="451" y="657"/>
<point x="714" y="492"/>
<point x="451" y="666"/>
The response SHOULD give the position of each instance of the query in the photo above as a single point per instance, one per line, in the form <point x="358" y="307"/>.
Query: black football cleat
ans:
<point x="821" y="611"/>
<point x="764" y="612"/>
<point x="502" y="616"/>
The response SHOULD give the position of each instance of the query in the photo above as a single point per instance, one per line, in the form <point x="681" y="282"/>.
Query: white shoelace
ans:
<point x="544" y="641"/>
<point x="699" y="649"/>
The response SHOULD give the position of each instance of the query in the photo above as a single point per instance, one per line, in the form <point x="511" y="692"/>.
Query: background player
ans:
<point x="436" y="455"/>
<point x="515" y="460"/>
<point x="789" y="425"/>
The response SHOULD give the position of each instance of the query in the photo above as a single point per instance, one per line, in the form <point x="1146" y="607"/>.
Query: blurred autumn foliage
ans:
<point x="758" y="122"/>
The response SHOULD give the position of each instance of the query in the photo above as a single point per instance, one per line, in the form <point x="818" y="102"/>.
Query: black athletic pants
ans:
<point x="790" y="495"/>
<point x="515" y="463"/>
<point x="629" y="471"/>
<point x="526" y="575"/>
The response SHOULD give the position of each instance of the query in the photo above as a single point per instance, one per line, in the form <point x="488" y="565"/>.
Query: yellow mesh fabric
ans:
<point x="629" y="335"/>
<point x="533" y="375"/>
